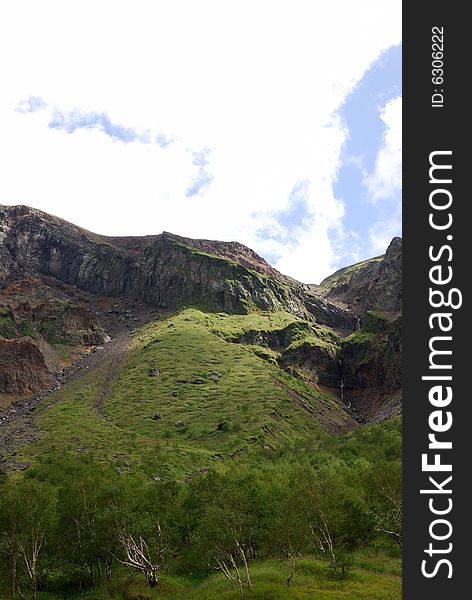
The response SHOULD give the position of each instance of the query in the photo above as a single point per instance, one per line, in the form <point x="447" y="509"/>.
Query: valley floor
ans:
<point x="374" y="577"/>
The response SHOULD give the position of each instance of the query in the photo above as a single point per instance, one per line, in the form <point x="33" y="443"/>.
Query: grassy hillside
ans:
<point x="211" y="398"/>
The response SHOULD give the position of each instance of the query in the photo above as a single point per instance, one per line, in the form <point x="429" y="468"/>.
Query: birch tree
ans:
<point x="335" y="516"/>
<point x="232" y="526"/>
<point x="89" y="507"/>
<point x="141" y="558"/>
<point x="384" y="483"/>
<point x="28" y="517"/>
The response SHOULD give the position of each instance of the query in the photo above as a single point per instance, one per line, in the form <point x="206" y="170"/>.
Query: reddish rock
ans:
<point x="22" y="368"/>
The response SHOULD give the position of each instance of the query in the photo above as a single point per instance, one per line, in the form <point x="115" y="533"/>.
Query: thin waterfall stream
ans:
<point x="342" y="383"/>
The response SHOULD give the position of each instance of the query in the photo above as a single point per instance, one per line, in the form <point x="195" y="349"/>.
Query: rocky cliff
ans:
<point x="374" y="284"/>
<point x="166" y="270"/>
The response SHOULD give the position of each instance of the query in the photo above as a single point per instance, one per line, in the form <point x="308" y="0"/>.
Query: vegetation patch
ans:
<point x="7" y="325"/>
<point x="26" y="329"/>
<point x="290" y="525"/>
<point x="48" y="330"/>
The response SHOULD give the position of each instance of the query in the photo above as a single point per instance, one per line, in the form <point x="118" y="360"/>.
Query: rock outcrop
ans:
<point x="64" y="322"/>
<point x="374" y="284"/>
<point x="301" y="348"/>
<point x="22" y="368"/>
<point x="57" y="321"/>
<point x="159" y="269"/>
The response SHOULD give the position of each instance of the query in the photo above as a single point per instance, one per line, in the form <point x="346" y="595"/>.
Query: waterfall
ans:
<point x="342" y="383"/>
<point x="358" y="323"/>
<point x="342" y="380"/>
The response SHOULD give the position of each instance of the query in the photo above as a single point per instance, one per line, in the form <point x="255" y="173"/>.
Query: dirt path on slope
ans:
<point x="18" y="426"/>
<point x="110" y="364"/>
<point x="18" y="422"/>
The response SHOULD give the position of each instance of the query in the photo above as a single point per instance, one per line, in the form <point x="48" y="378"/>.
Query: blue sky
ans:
<point x="288" y="142"/>
<point x="361" y="115"/>
<point x="203" y="179"/>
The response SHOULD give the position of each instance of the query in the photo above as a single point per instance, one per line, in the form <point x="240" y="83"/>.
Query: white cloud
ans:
<point x="382" y="232"/>
<point x="385" y="183"/>
<point x="386" y="180"/>
<point x="257" y="82"/>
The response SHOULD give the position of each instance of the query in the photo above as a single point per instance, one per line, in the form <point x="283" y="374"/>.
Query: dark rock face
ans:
<point x="235" y="252"/>
<point x="376" y="284"/>
<point x="371" y="368"/>
<point x="165" y="270"/>
<point x="374" y="362"/>
<point x="276" y="339"/>
<point x="22" y="368"/>
<point x="321" y="361"/>
<point x="301" y="347"/>
<point x="158" y="269"/>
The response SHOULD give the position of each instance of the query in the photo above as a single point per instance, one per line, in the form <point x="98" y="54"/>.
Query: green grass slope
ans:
<point x="216" y="400"/>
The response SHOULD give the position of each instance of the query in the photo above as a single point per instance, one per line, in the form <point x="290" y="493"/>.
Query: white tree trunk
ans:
<point x="238" y="577"/>
<point x="246" y="567"/>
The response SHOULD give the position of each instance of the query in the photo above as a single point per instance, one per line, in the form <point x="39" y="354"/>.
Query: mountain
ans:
<point x="170" y="355"/>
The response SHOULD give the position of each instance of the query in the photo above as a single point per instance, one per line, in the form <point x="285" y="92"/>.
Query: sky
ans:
<point x="275" y="123"/>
